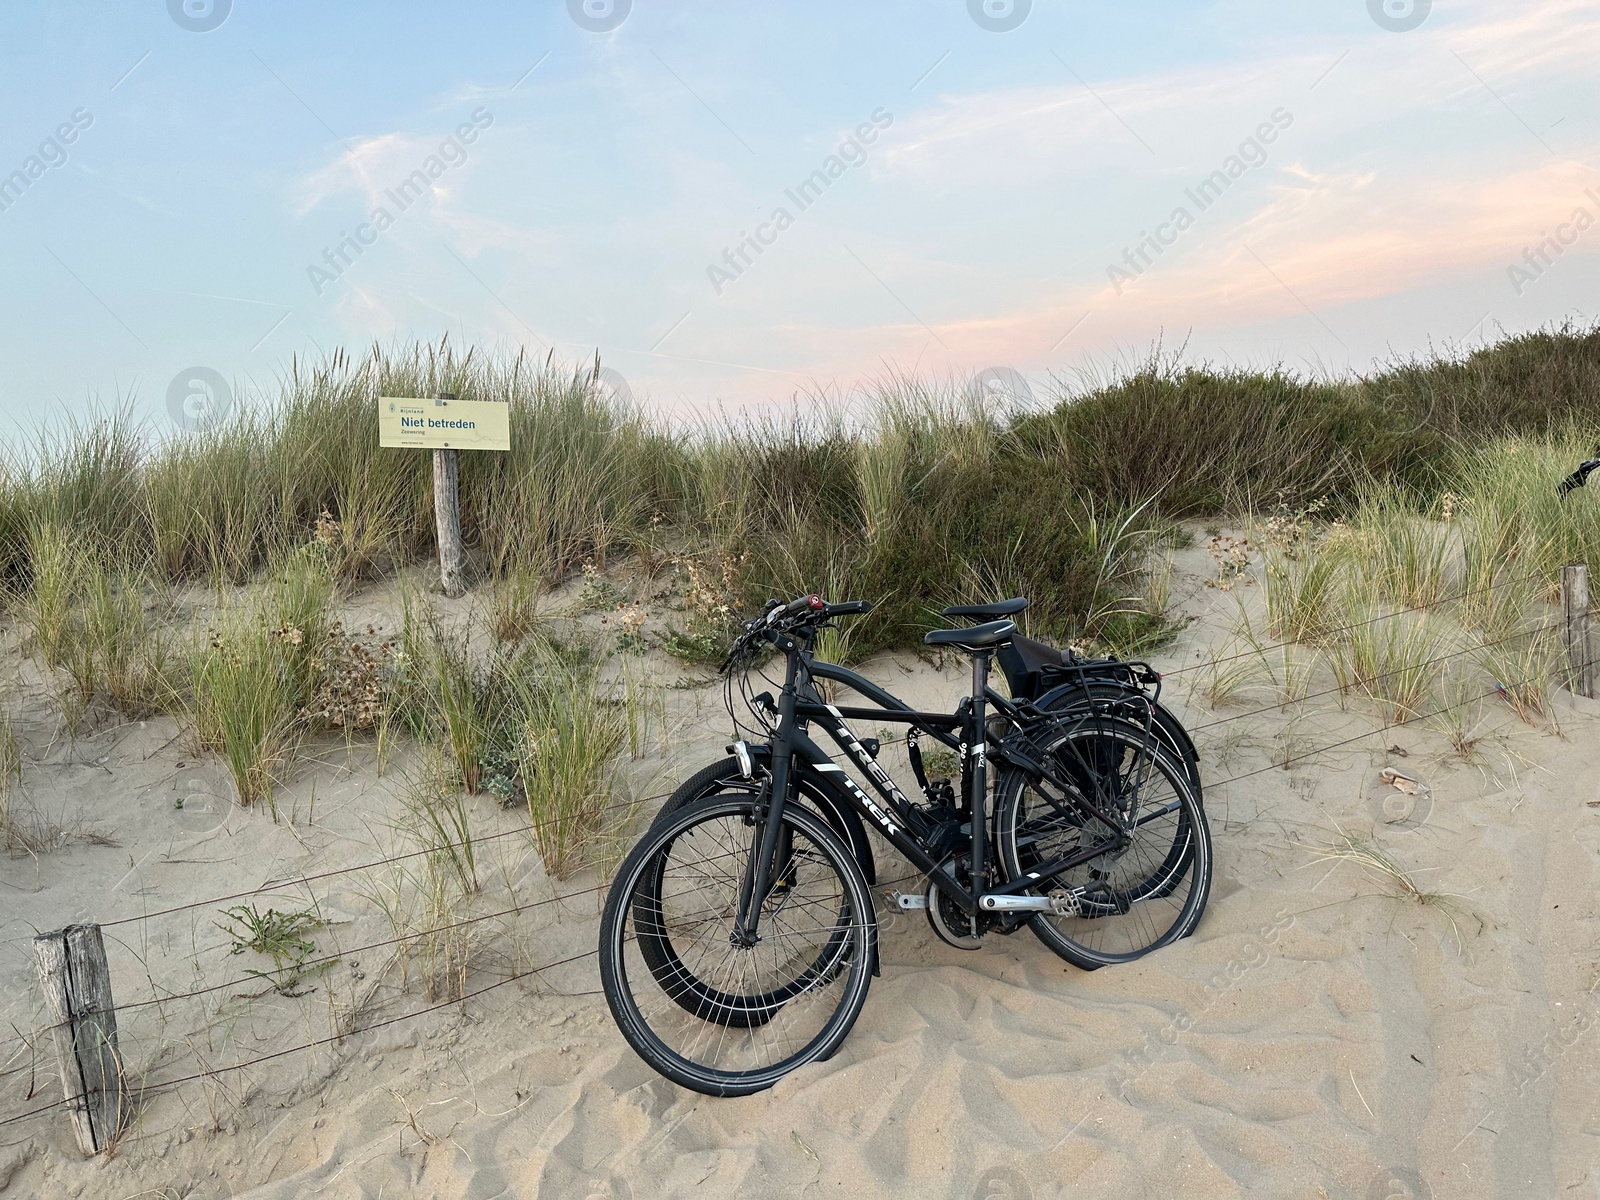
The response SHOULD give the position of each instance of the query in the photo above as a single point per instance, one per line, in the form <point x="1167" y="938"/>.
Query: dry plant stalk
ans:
<point x="10" y="778"/>
<point x="1379" y="863"/>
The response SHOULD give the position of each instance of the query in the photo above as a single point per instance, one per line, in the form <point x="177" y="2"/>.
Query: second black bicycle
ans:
<point x="739" y="937"/>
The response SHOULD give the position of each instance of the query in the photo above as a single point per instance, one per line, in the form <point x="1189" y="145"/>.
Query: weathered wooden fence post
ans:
<point x="1575" y="614"/>
<point x="77" y="986"/>
<point x="447" y="512"/>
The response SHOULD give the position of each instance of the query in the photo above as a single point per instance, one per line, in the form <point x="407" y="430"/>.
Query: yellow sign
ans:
<point x="410" y="422"/>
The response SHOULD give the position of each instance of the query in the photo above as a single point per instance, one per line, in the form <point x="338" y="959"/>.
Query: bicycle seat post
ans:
<point x="975" y="772"/>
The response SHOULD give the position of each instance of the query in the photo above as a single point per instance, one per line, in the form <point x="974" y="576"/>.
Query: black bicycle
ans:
<point x="739" y="936"/>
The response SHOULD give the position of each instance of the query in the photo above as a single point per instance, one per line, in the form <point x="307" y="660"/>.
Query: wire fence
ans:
<point x="1365" y="681"/>
<point x="277" y="885"/>
<point x="149" y="1088"/>
<point x="1428" y="607"/>
<point x="1498" y="689"/>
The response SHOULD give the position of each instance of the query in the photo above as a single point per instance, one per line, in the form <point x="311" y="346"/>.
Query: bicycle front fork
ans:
<point x="771" y="842"/>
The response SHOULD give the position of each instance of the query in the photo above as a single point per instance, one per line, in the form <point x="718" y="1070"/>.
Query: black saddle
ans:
<point x="986" y="612"/>
<point x="978" y="637"/>
<point x="1034" y="668"/>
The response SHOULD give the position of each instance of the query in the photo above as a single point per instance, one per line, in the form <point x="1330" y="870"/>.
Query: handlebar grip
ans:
<point x="849" y="608"/>
<point x="798" y="605"/>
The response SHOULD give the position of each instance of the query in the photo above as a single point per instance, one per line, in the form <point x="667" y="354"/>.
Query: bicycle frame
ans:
<point x="965" y="731"/>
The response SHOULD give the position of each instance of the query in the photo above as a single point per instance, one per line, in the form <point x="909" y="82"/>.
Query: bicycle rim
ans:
<point x="1126" y="902"/>
<point x="705" y="1011"/>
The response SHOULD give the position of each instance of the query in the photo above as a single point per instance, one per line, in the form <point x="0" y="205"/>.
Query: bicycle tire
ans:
<point x="1089" y="761"/>
<point x="727" y="774"/>
<point x="1164" y="725"/>
<point x="701" y="997"/>
<point x="719" y="1064"/>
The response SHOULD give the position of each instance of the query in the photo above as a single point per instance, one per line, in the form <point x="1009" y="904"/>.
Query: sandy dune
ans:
<point x="1320" y="1034"/>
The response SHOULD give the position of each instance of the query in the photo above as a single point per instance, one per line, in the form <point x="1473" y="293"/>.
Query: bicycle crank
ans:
<point x="1060" y="902"/>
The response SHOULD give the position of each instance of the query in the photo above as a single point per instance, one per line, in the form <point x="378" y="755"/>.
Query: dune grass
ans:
<point x="125" y="647"/>
<point x="428" y="892"/>
<point x="1303" y="594"/>
<point x="913" y="497"/>
<point x="452" y="696"/>
<point x="570" y="728"/>
<point x="255" y="672"/>
<point x="10" y="773"/>
<point x="1392" y="658"/>
<point x="1424" y="598"/>
<point x="246" y="702"/>
<point x="544" y="720"/>
<point x="98" y="619"/>
<point x="1410" y="557"/>
<point x="1381" y="865"/>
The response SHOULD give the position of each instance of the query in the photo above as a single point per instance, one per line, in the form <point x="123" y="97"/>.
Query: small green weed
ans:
<point x="702" y="647"/>
<point x="281" y="937"/>
<point x="599" y="593"/>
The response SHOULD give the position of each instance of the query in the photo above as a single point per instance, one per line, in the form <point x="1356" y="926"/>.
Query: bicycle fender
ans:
<point x="1169" y="726"/>
<point x="844" y="819"/>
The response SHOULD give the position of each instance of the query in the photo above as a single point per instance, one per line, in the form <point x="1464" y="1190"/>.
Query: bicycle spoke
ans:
<point x="1141" y="894"/>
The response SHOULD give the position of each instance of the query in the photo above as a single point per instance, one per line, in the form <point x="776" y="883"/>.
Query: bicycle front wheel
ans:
<point x="719" y="1013"/>
<point x="1143" y="894"/>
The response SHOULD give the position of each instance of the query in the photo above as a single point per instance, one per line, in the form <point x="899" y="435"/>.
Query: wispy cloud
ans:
<point x="370" y="166"/>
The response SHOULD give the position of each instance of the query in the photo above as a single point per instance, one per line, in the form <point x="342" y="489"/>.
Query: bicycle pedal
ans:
<point x="908" y="901"/>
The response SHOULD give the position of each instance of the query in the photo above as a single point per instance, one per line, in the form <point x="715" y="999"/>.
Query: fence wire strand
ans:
<point x="1461" y="595"/>
<point x="164" y="1085"/>
<point x="1365" y="679"/>
<point x="1498" y="689"/>
<point x="278" y="885"/>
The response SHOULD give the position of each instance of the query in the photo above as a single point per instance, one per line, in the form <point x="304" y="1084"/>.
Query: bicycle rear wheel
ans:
<point x="696" y="1002"/>
<point x="1127" y="901"/>
<point x="1105" y="695"/>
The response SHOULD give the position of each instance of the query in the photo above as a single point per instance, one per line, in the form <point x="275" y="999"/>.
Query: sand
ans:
<point x="1321" y="1034"/>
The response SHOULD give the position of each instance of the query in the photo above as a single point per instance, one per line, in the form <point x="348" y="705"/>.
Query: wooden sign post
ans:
<point x="447" y="518"/>
<point x="77" y="988"/>
<point x="445" y="425"/>
<point x="1575" y="610"/>
<point x="447" y="512"/>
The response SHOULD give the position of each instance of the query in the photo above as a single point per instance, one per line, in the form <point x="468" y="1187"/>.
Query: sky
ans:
<point x="740" y="205"/>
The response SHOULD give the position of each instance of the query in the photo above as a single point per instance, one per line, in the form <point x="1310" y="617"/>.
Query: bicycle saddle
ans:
<point x="1002" y="608"/>
<point x="978" y="637"/>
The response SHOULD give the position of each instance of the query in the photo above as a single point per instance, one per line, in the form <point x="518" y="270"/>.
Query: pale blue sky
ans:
<point x="1408" y="171"/>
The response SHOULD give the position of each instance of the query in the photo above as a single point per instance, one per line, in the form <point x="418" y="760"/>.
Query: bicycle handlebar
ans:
<point x="777" y="610"/>
<point x="780" y="617"/>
